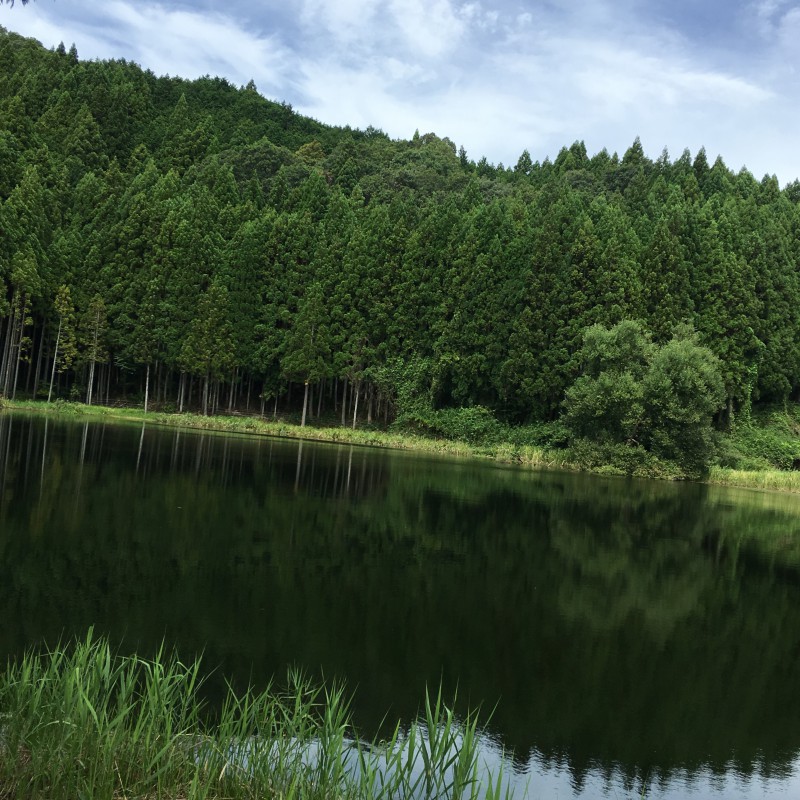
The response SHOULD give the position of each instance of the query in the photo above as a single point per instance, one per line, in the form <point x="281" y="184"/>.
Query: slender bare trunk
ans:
<point x="8" y="355"/>
<point x="55" y="359"/>
<point x="344" y="403"/>
<point x="7" y="344"/>
<point x="29" y="375"/>
<point x="5" y="350"/>
<point x="94" y="359"/>
<point x="230" y="396"/>
<point x="305" y="407"/>
<point x="146" y="388"/>
<point x="38" y="363"/>
<point x="355" y="404"/>
<point x="20" y="330"/>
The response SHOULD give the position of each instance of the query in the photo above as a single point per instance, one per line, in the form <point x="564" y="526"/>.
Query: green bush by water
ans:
<point x="769" y="440"/>
<point x="84" y="722"/>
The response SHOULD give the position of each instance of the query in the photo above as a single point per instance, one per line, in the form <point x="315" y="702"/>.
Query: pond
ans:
<point x="618" y="635"/>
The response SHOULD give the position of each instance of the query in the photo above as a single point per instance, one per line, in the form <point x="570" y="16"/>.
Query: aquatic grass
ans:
<point x="766" y="479"/>
<point x="82" y="721"/>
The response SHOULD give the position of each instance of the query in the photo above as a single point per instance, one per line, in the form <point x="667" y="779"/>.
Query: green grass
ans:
<point x="766" y="479"/>
<point x="82" y="722"/>
<point x="528" y="455"/>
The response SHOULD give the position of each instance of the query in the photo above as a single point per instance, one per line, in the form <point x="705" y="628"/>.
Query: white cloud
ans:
<point x="344" y="21"/>
<point x="789" y="34"/>
<point x="768" y="14"/>
<point x="431" y="28"/>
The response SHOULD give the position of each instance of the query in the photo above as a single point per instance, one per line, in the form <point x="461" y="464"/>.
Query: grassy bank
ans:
<point x="84" y="722"/>
<point x="505" y="452"/>
<point x="759" y="455"/>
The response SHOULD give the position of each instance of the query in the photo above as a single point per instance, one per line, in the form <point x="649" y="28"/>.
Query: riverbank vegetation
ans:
<point x="190" y="245"/>
<point x="82" y="721"/>
<point x="744" y="460"/>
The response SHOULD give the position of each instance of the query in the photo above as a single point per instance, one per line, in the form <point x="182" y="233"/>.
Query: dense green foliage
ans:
<point x="652" y="399"/>
<point x="199" y="246"/>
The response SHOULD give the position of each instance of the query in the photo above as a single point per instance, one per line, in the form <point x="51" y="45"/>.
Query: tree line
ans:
<point x="194" y="245"/>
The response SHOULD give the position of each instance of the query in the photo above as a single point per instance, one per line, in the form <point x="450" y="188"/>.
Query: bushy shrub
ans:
<point x="476" y="424"/>
<point x="553" y="435"/>
<point x="639" y="396"/>
<point x="620" y="459"/>
<point x="770" y="441"/>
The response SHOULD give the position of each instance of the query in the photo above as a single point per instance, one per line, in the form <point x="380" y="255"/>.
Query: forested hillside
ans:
<point x="198" y="244"/>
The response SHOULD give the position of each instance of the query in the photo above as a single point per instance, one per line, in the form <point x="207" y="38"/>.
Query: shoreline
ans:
<point x="531" y="457"/>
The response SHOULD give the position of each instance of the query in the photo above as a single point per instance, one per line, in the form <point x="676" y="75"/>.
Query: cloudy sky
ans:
<point x="497" y="78"/>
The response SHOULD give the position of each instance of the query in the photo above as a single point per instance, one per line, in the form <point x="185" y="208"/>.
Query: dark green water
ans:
<point x="626" y="632"/>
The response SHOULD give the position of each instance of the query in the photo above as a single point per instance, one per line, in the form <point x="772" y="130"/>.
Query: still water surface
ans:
<point x="627" y="634"/>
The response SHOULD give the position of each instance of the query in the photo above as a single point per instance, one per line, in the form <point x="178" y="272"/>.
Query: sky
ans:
<point x="496" y="78"/>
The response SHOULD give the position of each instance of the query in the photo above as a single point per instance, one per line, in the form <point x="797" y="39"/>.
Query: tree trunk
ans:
<point x="93" y="360"/>
<point x="38" y="363"/>
<point x="205" y="395"/>
<point x="8" y="356"/>
<point x="355" y="404"/>
<point x="305" y="406"/>
<point x="344" y="403"/>
<point x="319" y="400"/>
<point x="29" y="375"/>
<point x="230" y="396"/>
<point x="7" y="345"/>
<point x="20" y="331"/>
<point x="146" y="388"/>
<point x="55" y="359"/>
<point x="91" y="383"/>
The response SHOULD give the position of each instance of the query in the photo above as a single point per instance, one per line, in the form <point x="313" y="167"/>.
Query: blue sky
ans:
<point x="497" y="78"/>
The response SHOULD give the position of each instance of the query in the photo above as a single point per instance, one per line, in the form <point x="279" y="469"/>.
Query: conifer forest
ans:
<point x="193" y="245"/>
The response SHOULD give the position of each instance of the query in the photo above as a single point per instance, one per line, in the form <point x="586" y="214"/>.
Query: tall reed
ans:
<point x="83" y="722"/>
